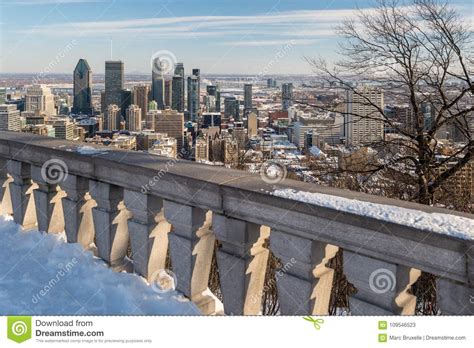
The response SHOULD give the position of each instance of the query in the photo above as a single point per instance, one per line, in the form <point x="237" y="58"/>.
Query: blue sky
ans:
<point x="219" y="36"/>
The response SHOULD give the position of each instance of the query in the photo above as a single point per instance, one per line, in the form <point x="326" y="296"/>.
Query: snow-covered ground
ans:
<point x="452" y="225"/>
<point x="41" y="274"/>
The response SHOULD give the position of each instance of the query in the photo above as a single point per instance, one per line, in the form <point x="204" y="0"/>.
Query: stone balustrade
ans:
<point x="159" y="211"/>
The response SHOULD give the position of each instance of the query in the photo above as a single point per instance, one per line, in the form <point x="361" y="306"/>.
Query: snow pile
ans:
<point x="89" y="150"/>
<point x="42" y="275"/>
<point x="452" y="225"/>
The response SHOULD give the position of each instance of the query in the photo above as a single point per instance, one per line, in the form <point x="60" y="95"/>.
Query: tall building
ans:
<point x="171" y="122"/>
<point x="114" y="79"/>
<point x="211" y="90"/>
<point x="286" y="96"/>
<point x="112" y="118"/>
<point x="125" y="101"/>
<point x="140" y="98"/>
<point x="231" y="108"/>
<point x="63" y="128"/>
<point x="39" y="100"/>
<point x="193" y="97"/>
<point x="218" y="100"/>
<point x="168" y="92"/>
<point x="252" y="126"/>
<point x="82" y="88"/>
<point x="179" y="70"/>
<point x="134" y="118"/>
<point x="177" y="94"/>
<point x="248" y="104"/>
<point x="9" y="118"/>
<point x="361" y="123"/>
<point x="158" y="84"/>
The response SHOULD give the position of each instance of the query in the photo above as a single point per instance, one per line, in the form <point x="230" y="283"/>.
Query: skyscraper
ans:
<point x="171" y="122"/>
<point x="248" y="96"/>
<point x="134" y="118"/>
<point x="82" y="88"/>
<point x="9" y="118"/>
<point x="168" y="92"/>
<point x="158" y="84"/>
<point x="286" y="96"/>
<point x="112" y="118"/>
<point x="177" y="94"/>
<point x="179" y="70"/>
<point x="231" y="108"/>
<point x="361" y="123"/>
<point x="193" y="96"/>
<point x="125" y="101"/>
<point x="39" y="100"/>
<point x="140" y="98"/>
<point x="114" y="79"/>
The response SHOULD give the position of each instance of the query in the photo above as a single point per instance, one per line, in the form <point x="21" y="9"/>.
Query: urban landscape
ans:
<point x="332" y="184"/>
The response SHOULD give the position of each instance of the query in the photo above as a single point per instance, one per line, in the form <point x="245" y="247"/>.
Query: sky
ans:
<point x="219" y="36"/>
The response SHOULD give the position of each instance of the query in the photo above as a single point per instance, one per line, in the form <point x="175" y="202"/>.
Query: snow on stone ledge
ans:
<point x="89" y="150"/>
<point x="452" y="225"/>
<point x="40" y="274"/>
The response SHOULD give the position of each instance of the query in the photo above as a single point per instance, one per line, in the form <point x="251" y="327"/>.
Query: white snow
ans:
<point x="452" y="225"/>
<point x="40" y="274"/>
<point x="89" y="150"/>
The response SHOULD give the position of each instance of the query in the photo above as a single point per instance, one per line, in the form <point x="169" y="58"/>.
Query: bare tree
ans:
<point x="421" y="53"/>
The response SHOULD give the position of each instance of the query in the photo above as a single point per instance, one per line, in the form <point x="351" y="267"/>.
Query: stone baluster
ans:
<point x="5" y="179"/>
<point x="242" y="262"/>
<point x="48" y="201"/>
<point x="454" y="297"/>
<point x="304" y="282"/>
<point x="382" y="287"/>
<point x="20" y="190"/>
<point x="77" y="209"/>
<point x="148" y="230"/>
<point x="191" y="248"/>
<point x="110" y="224"/>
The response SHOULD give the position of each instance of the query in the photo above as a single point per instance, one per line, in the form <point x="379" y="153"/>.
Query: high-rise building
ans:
<point x="112" y="118"/>
<point x="39" y="100"/>
<point x="9" y="118"/>
<point x="211" y="90"/>
<point x="82" y="86"/>
<point x="171" y="122"/>
<point x="63" y="127"/>
<point x="168" y="92"/>
<point x="134" y="118"/>
<point x="193" y="97"/>
<point x="286" y="96"/>
<point x="177" y="94"/>
<point x="252" y="124"/>
<point x="248" y="104"/>
<point x="114" y="79"/>
<point x="125" y="101"/>
<point x="158" y="84"/>
<point x="218" y="100"/>
<point x="231" y="108"/>
<point x="179" y="70"/>
<point x="361" y="123"/>
<point x="140" y="98"/>
<point x="202" y="149"/>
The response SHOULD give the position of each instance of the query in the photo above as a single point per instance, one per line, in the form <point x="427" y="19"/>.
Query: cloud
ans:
<point x="282" y="42"/>
<point x="53" y="2"/>
<point x="297" y="23"/>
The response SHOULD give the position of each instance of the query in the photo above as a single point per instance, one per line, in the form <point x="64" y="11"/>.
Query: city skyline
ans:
<point x="247" y="38"/>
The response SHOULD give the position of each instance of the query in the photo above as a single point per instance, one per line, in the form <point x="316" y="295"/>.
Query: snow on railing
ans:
<point x="179" y="222"/>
